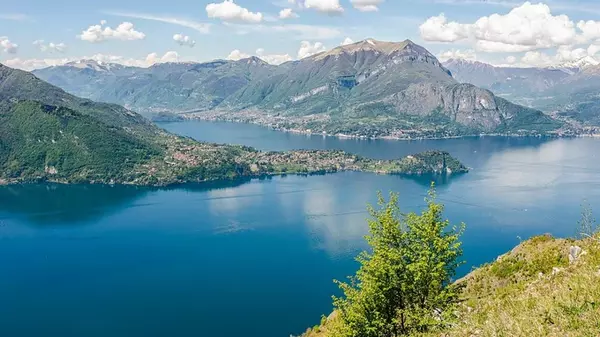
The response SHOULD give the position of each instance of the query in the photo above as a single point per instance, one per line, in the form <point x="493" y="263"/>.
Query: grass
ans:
<point x="531" y="291"/>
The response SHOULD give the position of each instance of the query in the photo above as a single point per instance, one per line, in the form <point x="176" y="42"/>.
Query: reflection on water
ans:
<point x="87" y="260"/>
<point x="47" y="205"/>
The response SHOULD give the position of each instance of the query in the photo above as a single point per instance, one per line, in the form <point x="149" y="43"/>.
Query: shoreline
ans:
<point x="206" y="183"/>
<point x="309" y="132"/>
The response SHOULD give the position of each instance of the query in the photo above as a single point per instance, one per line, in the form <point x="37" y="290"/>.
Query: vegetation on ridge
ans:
<point x="403" y="284"/>
<point x="543" y="287"/>
<point x="49" y="135"/>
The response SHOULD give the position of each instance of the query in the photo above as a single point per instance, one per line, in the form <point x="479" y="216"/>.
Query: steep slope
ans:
<point x="375" y="88"/>
<point x="356" y="73"/>
<point x="539" y="288"/>
<point x="49" y="135"/>
<point x="39" y="141"/>
<point x="21" y="85"/>
<point x="569" y="91"/>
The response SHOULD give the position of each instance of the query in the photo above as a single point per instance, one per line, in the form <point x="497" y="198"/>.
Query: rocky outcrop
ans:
<point x="463" y="103"/>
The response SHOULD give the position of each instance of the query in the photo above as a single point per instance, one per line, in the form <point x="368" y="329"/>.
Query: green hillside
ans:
<point x="369" y="88"/>
<point x="47" y="134"/>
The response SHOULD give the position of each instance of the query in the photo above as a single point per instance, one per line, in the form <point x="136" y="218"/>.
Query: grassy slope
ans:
<point x="519" y="295"/>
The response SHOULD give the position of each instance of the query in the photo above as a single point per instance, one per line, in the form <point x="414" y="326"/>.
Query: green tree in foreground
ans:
<point x="404" y="283"/>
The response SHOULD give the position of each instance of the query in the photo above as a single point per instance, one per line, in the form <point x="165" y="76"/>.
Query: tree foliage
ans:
<point x="404" y="283"/>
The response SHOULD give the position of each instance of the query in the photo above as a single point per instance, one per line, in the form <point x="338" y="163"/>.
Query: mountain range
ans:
<point x="370" y="88"/>
<point x="47" y="134"/>
<point x="569" y="91"/>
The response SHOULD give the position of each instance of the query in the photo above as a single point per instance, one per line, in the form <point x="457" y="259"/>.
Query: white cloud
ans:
<point x="590" y="29"/>
<point x="347" y="41"/>
<point x="8" y="46"/>
<point x="273" y="58"/>
<point x="287" y="13"/>
<point x="50" y="47"/>
<point x="237" y="55"/>
<point x="535" y="26"/>
<point x="569" y="54"/>
<point x="537" y="59"/>
<point x="458" y="54"/>
<point x="230" y="11"/>
<point x="367" y="5"/>
<point x="151" y="59"/>
<point x="500" y="47"/>
<point x="331" y="7"/>
<point x="564" y="55"/>
<point x="525" y="28"/>
<point x="307" y="49"/>
<point x="511" y="59"/>
<point x="170" y="56"/>
<point x="30" y="64"/>
<point x="593" y="49"/>
<point x="98" y="33"/>
<point x="201" y="27"/>
<point x="438" y="29"/>
<point x="184" y="40"/>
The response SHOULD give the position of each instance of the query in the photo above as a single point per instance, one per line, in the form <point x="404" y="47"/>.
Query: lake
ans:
<point x="257" y="258"/>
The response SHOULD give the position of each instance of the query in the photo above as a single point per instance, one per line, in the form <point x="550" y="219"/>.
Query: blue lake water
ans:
<point x="257" y="258"/>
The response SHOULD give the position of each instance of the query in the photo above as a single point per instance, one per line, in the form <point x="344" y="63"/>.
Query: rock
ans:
<point x="574" y="253"/>
<point x="465" y="103"/>
<point x="50" y="170"/>
<point x="556" y="270"/>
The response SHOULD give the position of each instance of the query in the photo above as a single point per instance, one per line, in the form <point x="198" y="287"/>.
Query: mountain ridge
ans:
<point x="568" y="92"/>
<point x="369" y="88"/>
<point x="48" y="135"/>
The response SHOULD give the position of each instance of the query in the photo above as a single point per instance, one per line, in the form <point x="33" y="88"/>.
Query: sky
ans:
<point x="41" y="33"/>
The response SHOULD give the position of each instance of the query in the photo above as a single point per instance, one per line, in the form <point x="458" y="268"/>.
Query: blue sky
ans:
<point x="249" y="25"/>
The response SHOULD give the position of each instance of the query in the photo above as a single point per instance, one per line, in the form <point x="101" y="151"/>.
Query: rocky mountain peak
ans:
<point x="372" y="45"/>
<point x="253" y="60"/>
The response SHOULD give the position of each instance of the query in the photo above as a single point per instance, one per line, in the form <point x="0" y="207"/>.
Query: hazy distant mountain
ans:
<point x="369" y="88"/>
<point x="512" y="82"/>
<point x="161" y="87"/>
<point x="575" y="67"/>
<point x="569" y="90"/>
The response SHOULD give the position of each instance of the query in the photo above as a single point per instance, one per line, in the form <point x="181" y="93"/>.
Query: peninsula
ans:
<point x="48" y="135"/>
